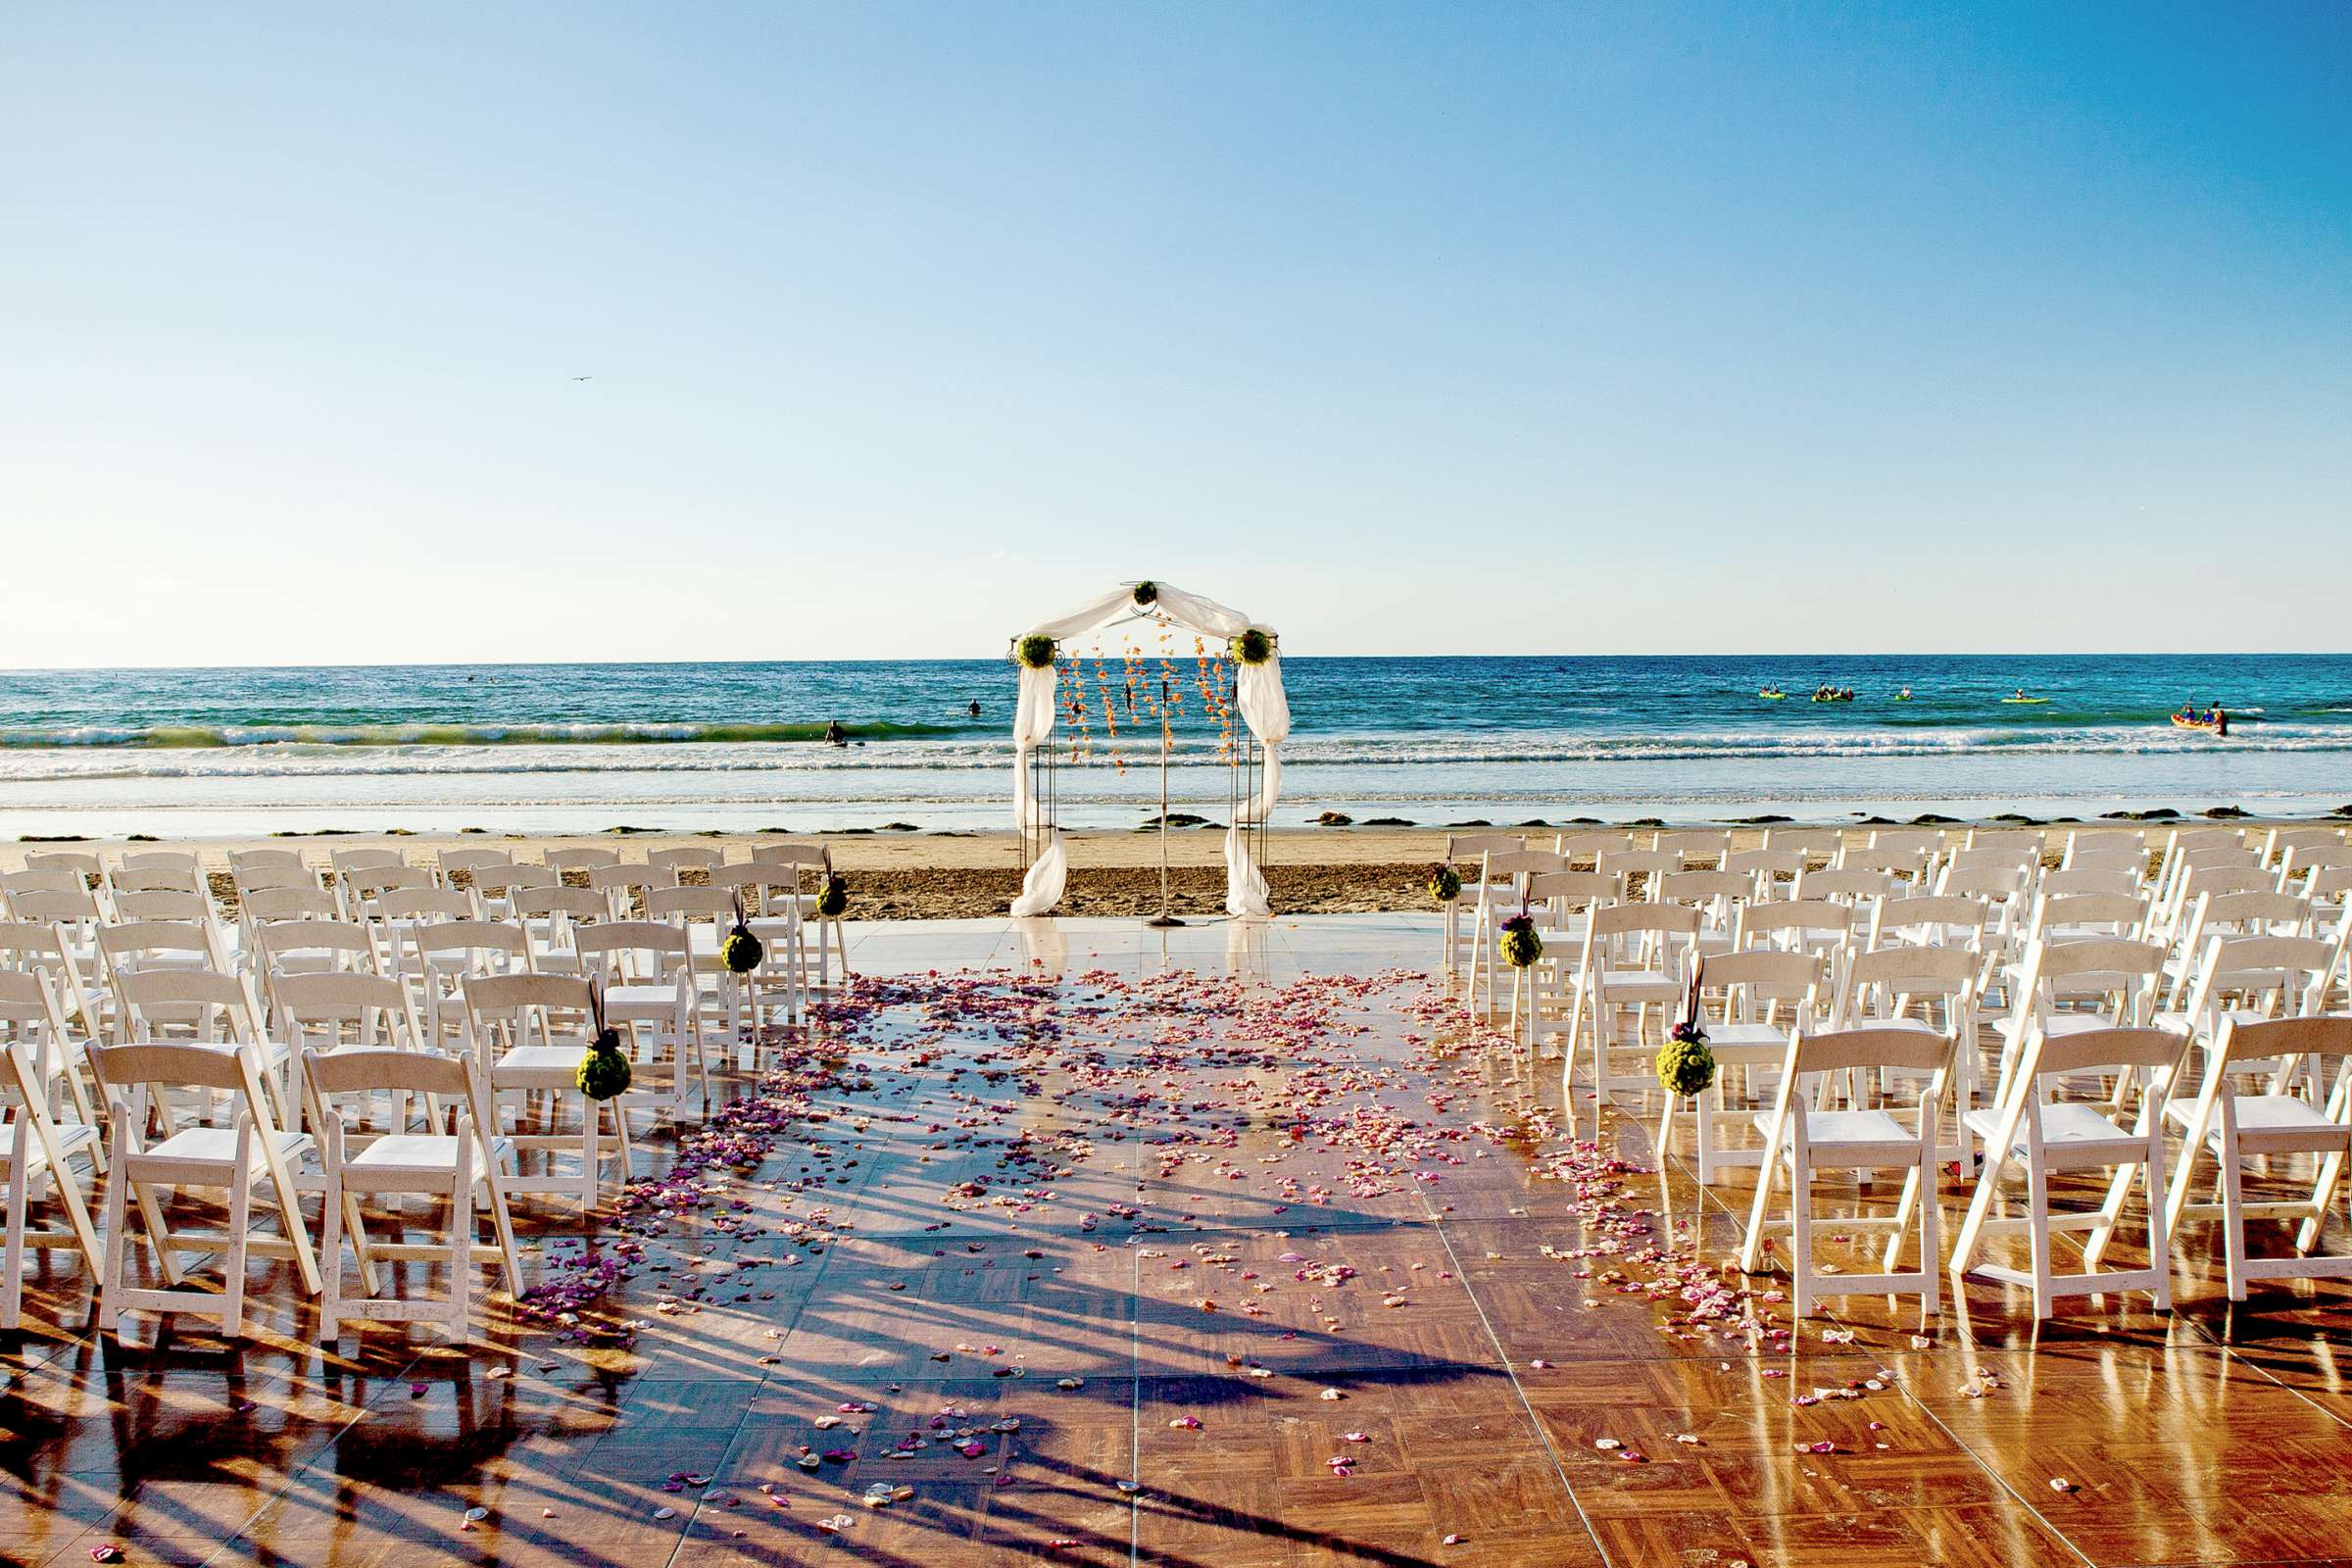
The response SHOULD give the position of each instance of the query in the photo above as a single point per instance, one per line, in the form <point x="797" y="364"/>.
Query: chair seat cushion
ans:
<point x="663" y="996"/>
<point x="1836" y="1129"/>
<point x="2260" y="1113"/>
<point x="2064" y="1123"/>
<point x="538" y="1059"/>
<point x="219" y="1145"/>
<point x="71" y="1135"/>
<point x="421" y="1152"/>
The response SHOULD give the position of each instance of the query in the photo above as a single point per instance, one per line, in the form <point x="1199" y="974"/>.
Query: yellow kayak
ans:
<point x="2024" y="699"/>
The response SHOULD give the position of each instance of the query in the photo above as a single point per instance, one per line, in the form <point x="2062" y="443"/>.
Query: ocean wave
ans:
<point x="206" y="737"/>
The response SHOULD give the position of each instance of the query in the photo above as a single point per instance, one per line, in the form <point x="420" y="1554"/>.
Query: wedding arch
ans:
<point x="1256" y="657"/>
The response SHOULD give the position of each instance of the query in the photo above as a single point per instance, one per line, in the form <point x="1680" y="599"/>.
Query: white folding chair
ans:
<point x="580" y="859"/>
<point x="2232" y="1128"/>
<point x="33" y="1015"/>
<point x="646" y="978"/>
<point x="624" y="887"/>
<point x="1750" y="1002"/>
<point x="38" y="1154"/>
<point x="527" y="1033"/>
<point x="251" y="1154"/>
<point x="1466" y="854"/>
<point x="445" y="953"/>
<point x="1929" y="989"/>
<point x="495" y="886"/>
<point x="201" y="1007"/>
<point x="466" y="1165"/>
<point x="1820" y="846"/>
<point x="549" y="915"/>
<point x="1772" y="872"/>
<point x="1803" y="1139"/>
<point x="772" y="907"/>
<point x="1638" y="956"/>
<point x="684" y="858"/>
<point x="348" y="1011"/>
<point x="2039" y="1133"/>
<point x="2067" y="988"/>
<point x="365" y="892"/>
<point x="48" y="950"/>
<point x="821" y="932"/>
<point x="1718" y="895"/>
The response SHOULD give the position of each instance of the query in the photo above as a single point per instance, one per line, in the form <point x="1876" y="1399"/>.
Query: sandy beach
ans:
<point x="921" y="876"/>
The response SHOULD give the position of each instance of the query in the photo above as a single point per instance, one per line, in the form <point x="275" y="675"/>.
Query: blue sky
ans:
<point x="1405" y="328"/>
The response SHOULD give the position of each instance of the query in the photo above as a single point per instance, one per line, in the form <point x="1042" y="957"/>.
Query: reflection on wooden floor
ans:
<point x="1075" y="1402"/>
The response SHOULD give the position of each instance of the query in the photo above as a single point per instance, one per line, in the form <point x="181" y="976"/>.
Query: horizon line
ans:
<point x="982" y="659"/>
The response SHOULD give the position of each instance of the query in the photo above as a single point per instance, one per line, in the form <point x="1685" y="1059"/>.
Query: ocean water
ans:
<point x="589" y="746"/>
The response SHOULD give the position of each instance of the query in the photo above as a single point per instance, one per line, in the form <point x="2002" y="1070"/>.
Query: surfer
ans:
<point x="835" y="735"/>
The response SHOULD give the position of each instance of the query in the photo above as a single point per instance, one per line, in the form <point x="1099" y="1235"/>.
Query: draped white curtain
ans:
<point x="1032" y="722"/>
<point x="1267" y="710"/>
<point x="1264" y="708"/>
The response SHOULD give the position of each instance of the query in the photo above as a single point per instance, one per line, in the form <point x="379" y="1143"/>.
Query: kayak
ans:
<point x="1832" y="699"/>
<point x="2195" y="723"/>
<point x="2024" y="699"/>
<point x="1774" y="697"/>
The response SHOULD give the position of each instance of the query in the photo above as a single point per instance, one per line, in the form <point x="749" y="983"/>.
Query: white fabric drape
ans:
<point x="1032" y="722"/>
<point x="1245" y="883"/>
<point x="1266" y="708"/>
<point x="1040" y="889"/>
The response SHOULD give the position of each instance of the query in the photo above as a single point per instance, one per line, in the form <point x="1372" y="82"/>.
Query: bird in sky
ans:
<point x="583" y="378"/>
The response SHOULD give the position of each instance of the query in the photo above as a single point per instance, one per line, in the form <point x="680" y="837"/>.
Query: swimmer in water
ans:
<point x="834" y="732"/>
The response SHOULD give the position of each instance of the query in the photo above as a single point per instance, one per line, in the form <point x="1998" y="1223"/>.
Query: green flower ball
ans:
<point x="604" y="1070"/>
<point x="1445" y="884"/>
<point x="741" y="951"/>
<point x="1521" y="947"/>
<point x="1687" y="1067"/>
<point x="1037" y="652"/>
<point x="834" y="898"/>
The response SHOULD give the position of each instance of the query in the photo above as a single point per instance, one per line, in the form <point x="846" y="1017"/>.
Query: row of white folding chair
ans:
<point x="256" y="1155"/>
<point x="1752" y="1000"/>
<point x="2040" y="1128"/>
<point x="41" y="1148"/>
<point x="434" y="934"/>
<point x="2037" y="1130"/>
<point x="169" y="981"/>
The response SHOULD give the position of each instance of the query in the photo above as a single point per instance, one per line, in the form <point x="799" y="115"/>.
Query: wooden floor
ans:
<point x="1252" y="1283"/>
